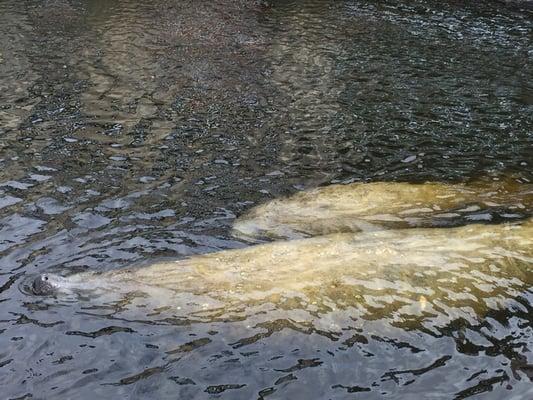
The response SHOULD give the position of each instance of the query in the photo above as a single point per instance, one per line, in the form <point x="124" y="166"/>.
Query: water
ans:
<point x="132" y="131"/>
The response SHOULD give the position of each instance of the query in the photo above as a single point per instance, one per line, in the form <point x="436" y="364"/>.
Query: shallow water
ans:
<point x="134" y="130"/>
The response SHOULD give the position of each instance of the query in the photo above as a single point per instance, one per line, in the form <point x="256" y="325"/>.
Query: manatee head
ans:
<point x="46" y="285"/>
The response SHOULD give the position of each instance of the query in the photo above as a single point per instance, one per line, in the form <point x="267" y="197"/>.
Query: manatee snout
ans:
<point x="45" y="285"/>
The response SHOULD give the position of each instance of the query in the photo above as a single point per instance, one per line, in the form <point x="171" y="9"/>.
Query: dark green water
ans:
<point x="133" y="130"/>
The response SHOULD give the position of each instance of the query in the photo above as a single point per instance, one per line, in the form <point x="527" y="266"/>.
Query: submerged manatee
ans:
<point x="371" y="206"/>
<point x="454" y="272"/>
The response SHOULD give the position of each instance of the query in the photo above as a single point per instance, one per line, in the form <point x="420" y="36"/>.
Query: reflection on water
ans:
<point x="135" y="130"/>
<point x="16" y="69"/>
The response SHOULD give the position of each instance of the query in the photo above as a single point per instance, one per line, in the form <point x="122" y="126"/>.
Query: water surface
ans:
<point x="134" y="130"/>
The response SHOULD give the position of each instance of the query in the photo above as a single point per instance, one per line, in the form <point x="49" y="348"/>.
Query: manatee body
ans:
<point x="372" y="206"/>
<point x="456" y="271"/>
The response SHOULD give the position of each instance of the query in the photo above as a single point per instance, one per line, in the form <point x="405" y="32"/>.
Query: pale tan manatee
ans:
<point x="372" y="206"/>
<point x="409" y="275"/>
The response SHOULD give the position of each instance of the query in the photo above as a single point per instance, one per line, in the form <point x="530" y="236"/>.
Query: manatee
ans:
<point x="373" y="206"/>
<point x="45" y="284"/>
<point x="462" y="271"/>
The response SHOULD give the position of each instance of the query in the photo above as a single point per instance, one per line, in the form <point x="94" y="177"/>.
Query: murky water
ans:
<point x="134" y="130"/>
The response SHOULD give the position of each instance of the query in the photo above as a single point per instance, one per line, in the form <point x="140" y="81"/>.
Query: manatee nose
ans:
<point x="42" y="285"/>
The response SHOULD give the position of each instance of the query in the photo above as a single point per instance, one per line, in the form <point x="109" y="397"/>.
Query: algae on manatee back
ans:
<point x="373" y="206"/>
